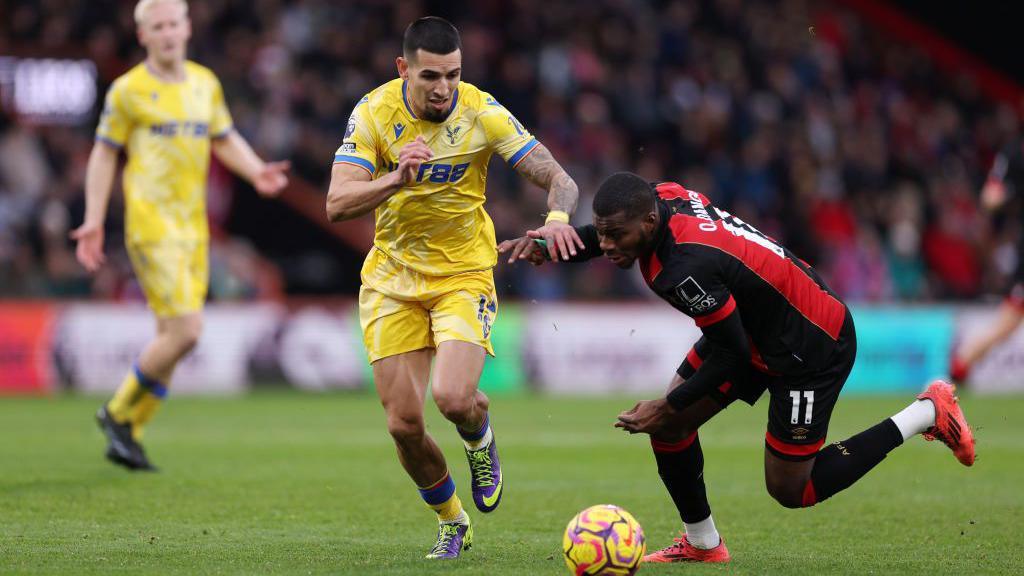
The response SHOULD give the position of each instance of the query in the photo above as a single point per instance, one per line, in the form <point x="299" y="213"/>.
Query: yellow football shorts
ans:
<point x="401" y="310"/>
<point x="174" y="275"/>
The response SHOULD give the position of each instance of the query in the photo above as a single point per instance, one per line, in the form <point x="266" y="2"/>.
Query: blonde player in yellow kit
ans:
<point x="416" y="151"/>
<point x="166" y="113"/>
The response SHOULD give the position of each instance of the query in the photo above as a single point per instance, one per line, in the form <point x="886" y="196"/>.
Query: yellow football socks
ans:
<point x="126" y="396"/>
<point x="143" y="412"/>
<point x="441" y="498"/>
<point x="136" y="400"/>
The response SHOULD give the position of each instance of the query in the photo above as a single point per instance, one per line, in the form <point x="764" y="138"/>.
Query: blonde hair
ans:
<point x="144" y="5"/>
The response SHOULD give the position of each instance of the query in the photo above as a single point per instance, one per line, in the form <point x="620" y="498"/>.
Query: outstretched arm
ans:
<point x="541" y="168"/>
<point x="730" y="352"/>
<point x="534" y="249"/>
<point x="268" y="178"/>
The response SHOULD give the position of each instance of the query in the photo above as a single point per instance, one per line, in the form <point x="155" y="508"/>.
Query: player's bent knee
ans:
<point x="188" y="341"/>
<point x="406" y="428"/>
<point x="455" y="408"/>
<point x="482" y="401"/>
<point x="193" y="331"/>
<point x="787" y="480"/>
<point x="788" y="494"/>
<point x="186" y="334"/>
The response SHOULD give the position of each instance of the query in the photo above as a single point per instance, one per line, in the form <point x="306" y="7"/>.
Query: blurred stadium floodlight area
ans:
<point x="48" y="90"/>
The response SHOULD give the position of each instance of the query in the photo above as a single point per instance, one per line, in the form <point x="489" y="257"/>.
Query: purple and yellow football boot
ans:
<point x="452" y="539"/>
<point x="484" y="468"/>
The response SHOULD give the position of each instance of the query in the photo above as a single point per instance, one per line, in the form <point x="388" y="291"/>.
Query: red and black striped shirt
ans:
<point x="754" y="300"/>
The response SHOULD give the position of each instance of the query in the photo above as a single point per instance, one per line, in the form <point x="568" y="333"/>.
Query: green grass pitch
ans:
<point x="289" y="483"/>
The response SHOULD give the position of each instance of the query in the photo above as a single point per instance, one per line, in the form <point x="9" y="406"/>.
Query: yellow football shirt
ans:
<point x="435" y="225"/>
<point x="165" y="128"/>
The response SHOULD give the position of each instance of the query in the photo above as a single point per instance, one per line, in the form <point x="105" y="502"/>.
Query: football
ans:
<point x="603" y="540"/>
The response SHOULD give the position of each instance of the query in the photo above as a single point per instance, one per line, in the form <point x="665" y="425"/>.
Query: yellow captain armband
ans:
<point x="557" y="216"/>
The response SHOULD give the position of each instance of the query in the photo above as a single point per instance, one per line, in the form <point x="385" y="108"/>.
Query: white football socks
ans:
<point x="916" y="418"/>
<point x="484" y="441"/>
<point x="703" y="534"/>
<point x="462" y="518"/>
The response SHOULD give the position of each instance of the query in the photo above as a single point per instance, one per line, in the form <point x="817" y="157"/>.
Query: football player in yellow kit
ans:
<point x="415" y="152"/>
<point x="166" y="113"/>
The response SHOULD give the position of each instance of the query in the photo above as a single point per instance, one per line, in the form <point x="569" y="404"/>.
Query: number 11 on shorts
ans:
<point x="795" y="395"/>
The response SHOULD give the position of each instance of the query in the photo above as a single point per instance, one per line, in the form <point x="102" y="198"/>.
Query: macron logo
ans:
<point x="399" y="128"/>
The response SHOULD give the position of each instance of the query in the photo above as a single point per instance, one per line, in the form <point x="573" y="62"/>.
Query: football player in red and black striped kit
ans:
<point x="769" y="322"/>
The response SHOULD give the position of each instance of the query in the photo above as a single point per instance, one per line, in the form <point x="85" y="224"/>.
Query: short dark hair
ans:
<point x="432" y="34"/>
<point x="624" y="192"/>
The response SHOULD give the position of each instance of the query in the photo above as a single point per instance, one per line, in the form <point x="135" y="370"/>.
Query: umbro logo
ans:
<point x="399" y="128"/>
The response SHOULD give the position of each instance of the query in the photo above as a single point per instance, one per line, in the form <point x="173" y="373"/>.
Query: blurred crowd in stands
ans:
<point x="797" y="116"/>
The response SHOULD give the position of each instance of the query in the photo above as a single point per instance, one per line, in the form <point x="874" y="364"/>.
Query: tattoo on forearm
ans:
<point x="541" y="168"/>
<point x="563" y="194"/>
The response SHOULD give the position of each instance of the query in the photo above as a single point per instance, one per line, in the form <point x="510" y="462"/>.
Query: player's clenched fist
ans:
<point x="410" y="158"/>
